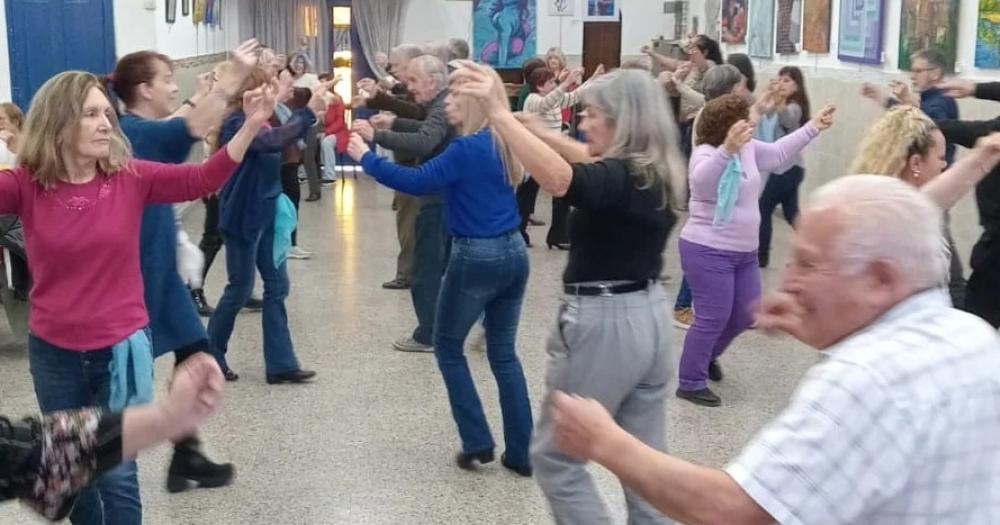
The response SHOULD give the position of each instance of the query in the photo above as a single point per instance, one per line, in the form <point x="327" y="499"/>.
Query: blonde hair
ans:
<point x="258" y="77"/>
<point x="900" y="133"/>
<point x="475" y="119"/>
<point x="14" y="115"/>
<point x="54" y="122"/>
<point x="556" y="53"/>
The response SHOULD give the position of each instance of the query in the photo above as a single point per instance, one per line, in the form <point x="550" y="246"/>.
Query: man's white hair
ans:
<point x="886" y="219"/>
<point x="432" y="67"/>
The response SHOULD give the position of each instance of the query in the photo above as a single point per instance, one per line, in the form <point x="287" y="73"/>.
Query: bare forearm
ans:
<point x="680" y="490"/>
<point x="144" y="427"/>
<point x="573" y="151"/>
<point x="545" y="165"/>
<point x="241" y="141"/>
<point x="949" y="187"/>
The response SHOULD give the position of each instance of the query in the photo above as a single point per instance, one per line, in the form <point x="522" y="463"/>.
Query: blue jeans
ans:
<point x="242" y="256"/>
<point x="783" y="189"/>
<point x="66" y="380"/>
<point x="430" y="256"/>
<point x="684" y="298"/>
<point x="485" y="275"/>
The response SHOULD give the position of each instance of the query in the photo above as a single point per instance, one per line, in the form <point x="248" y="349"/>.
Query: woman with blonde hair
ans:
<point x="11" y="122"/>
<point x="612" y="339"/>
<point x="487" y="271"/>
<point x="81" y="196"/>
<point x="905" y="143"/>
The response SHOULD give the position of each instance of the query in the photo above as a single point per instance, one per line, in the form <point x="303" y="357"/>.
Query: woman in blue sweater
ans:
<point x="487" y="273"/>
<point x="256" y="225"/>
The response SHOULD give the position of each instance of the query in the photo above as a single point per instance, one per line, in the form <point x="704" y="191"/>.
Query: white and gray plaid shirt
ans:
<point x="899" y="424"/>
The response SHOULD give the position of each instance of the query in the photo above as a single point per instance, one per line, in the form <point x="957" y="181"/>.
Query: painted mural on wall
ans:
<point x="816" y="26"/>
<point x="504" y="32"/>
<point x="734" y="21"/>
<point x="761" y="33"/>
<point x="988" y="35"/>
<point x="789" y="32"/>
<point x="861" y="26"/>
<point x="926" y="24"/>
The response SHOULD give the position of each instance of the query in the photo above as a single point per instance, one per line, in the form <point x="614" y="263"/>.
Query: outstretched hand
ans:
<point x="958" y="88"/>
<point x="195" y="393"/>
<point x="258" y="104"/>
<point x="364" y="129"/>
<point x="357" y="147"/>
<point x="478" y="82"/>
<point x="781" y="312"/>
<point x="824" y="119"/>
<point x="583" y="426"/>
<point x="739" y="134"/>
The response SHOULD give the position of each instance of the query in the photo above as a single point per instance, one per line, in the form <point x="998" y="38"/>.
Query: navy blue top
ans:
<point x="247" y="201"/>
<point x="479" y="197"/>
<point x="173" y="319"/>
<point x="939" y="106"/>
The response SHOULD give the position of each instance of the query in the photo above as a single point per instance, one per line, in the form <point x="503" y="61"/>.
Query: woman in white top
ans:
<point x="298" y="66"/>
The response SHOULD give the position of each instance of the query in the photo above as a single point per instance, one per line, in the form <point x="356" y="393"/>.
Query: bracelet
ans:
<point x="189" y="103"/>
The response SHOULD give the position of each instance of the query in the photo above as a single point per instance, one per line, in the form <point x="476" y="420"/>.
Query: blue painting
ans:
<point x="760" y="42"/>
<point x="861" y="26"/>
<point x="504" y="32"/>
<point x="988" y="35"/>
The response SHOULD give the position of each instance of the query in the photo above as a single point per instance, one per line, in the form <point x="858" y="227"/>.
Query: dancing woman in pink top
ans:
<point x="718" y="244"/>
<point x="81" y="196"/>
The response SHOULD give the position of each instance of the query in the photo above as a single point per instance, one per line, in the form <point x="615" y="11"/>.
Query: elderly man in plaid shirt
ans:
<point x="900" y="421"/>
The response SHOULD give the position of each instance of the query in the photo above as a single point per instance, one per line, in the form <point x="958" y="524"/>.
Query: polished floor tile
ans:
<point x="372" y="440"/>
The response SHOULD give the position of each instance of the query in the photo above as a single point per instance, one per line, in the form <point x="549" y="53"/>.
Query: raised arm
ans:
<point x="422" y="142"/>
<point x="949" y="187"/>
<point x="965" y="133"/>
<point x="663" y="60"/>
<point x="706" y="168"/>
<point x="772" y="156"/>
<point x="572" y="150"/>
<point x="207" y="107"/>
<point x="435" y="175"/>
<point x="382" y="101"/>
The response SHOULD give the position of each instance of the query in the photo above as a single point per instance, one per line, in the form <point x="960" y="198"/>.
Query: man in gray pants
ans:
<point x="427" y="80"/>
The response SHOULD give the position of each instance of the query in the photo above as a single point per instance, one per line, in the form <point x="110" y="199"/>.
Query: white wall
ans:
<point x="5" y="92"/>
<point x="184" y="39"/>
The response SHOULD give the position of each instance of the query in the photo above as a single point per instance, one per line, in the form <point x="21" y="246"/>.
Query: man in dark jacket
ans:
<point x="427" y="80"/>
<point x="983" y="293"/>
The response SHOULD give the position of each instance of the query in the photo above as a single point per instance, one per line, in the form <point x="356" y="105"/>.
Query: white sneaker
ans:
<point x="298" y="253"/>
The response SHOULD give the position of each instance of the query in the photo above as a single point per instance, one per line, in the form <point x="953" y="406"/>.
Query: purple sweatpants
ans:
<point x="725" y="286"/>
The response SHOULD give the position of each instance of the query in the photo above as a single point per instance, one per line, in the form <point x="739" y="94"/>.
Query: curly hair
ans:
<point x="718" y="116"/>
<point x="900" y="133"/>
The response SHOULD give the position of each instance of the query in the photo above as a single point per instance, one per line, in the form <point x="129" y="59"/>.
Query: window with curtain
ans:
<point x="310" y="21"/>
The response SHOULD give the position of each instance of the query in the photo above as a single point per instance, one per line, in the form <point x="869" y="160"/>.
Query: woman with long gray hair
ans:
<point x="612" y="338"/>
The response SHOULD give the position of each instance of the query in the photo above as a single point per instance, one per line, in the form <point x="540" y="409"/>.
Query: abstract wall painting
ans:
<point x="928" y="24"/>
<point x="761" y="32"/>
<point x="861" y="31"/>
<point x="788" y="35"/>
<point x="988" y="35"/>
<point x="816" y="26"/>
<point x="504" y="32"/>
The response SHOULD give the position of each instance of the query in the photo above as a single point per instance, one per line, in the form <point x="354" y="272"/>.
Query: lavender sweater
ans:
<point x="706" y="168"/>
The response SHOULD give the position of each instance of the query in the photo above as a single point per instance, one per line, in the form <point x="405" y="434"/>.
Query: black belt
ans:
<point x="605" y="290"/>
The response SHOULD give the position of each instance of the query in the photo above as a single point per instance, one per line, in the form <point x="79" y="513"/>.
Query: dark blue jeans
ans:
<point x="242" y="256"/>
<point x="783" y="189"/>
<point x="66" y="380"/>
<point x="485" y="275"/>
<point x="430" y="256"/>
<point x="683" y="295"/>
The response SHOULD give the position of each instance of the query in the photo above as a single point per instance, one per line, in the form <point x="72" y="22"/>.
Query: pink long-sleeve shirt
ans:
<point x="706" y="168"/>
<point x="82" y="242"/>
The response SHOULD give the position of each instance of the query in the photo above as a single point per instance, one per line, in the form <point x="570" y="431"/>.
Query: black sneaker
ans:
<point x="715" y="371"/>
<point x="254" y="304"/>
<point x="204" y="309"/>
<point x="704" y="397"/>
<point x="191" y="468"/>
<point x="295" y="376"/>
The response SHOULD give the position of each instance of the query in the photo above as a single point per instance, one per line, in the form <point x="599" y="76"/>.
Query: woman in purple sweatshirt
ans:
<point x="718" y="244"/>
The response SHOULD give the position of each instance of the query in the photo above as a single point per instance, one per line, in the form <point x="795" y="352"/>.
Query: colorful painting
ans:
<point x="988" y="35"/>
<point x="734" y="21"/>
<point x="816" y="26"/>
<point x="504" y="32"/>
<point x="928" y="24"/>
<point x="602" y="10"/>
<point x="789" y="32"/>
<point x="761" y="32"/>
<point x="861" y="26"/>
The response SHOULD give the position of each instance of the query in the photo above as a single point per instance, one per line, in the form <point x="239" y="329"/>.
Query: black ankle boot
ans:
<point x="468" y="460"/>
<point x="204" y="310"/>
<point x="190" y="467"/>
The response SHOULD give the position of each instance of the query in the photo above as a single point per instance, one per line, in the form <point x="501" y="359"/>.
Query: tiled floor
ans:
<point x="372" y="441"/>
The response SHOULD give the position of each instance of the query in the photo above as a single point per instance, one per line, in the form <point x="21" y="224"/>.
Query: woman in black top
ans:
<point x="612" y="339"/>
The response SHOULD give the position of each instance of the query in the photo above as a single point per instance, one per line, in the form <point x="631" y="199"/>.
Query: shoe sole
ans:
<point x="412" y="350"/>
<point x="177" y="484"/>
<point x="681" y="325"/>
<point x="700" y="402"/>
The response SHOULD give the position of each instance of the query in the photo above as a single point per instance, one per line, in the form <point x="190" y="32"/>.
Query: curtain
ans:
<point x="380" y="27"/>
<point x="291" y="26"/>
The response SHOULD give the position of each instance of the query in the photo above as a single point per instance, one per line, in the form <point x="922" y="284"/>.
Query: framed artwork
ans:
<point x="734" y="21"/>
<point x="816" y="26"/>
<point x="562" y="7"/>
<point x="504" y="34"/>
<point x="602" y="11"/>
<point x="988" y="35"/>
<point x="760" y="41"/>
<point x="789" y="32"/>
<point x="861" y="31"/>
<point x="928" y="24"/>
<point x="171" y="11"/>
<point x="186" y="7"/>
<point x="198" y="16"/>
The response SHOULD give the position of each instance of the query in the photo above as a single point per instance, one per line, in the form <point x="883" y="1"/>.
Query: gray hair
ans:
<point x="645" y="133"/>
<point x="720" y="80"/>
<point x="433" y="67"/>
<point x="406" y="52"/>
<point x="886" y="219"/>
<point x="933" y="57"/>
<point x="458" y="49"/>
<point x="439" y="50"/>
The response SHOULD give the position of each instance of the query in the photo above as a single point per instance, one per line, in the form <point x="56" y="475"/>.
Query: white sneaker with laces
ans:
<point x="299" y="253"/>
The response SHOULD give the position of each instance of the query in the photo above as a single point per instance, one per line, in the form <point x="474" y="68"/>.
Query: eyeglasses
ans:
<point x="923" y="69"/>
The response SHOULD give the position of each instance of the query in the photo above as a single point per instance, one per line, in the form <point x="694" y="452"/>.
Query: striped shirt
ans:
<point x="899" y="424"/>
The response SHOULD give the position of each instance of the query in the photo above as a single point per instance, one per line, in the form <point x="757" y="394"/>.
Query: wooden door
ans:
<point x="602" y="44"/>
